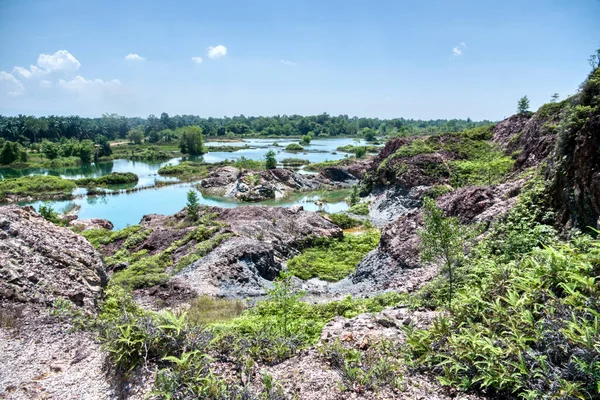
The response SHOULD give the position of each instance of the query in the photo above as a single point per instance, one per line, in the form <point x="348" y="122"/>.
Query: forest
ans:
<point x="30" y="129"/>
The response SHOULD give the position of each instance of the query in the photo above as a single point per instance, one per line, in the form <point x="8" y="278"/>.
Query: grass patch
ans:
<point x="185" y="170"/>
<point x="114" y="178"/>
<point x="246" y="163"/>
<point x="225" y="148"/>
<point x="208" y="310"/>
<point x="360" y="209"/>
<point x="333" y="259"/>
<point x="294" y="162"/>
<point x="325" y="164"/>
<point x="352" y="149"/>
<point x="36" y="186"/>
<point x="145" y="152"/>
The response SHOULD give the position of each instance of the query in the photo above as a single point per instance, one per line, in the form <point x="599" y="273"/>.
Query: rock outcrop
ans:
<point x="46" y="273"/>
<point x="41" y="262"/>
<point x="276" y="183"/>
<point x="576" y="178"/>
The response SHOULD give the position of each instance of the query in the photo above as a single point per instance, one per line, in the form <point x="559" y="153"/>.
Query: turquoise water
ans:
<point x="128" y="209"/>
<point x="124" y="209"/>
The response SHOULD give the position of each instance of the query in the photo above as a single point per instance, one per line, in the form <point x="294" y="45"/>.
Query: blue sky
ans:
<point x="413" y="59"/>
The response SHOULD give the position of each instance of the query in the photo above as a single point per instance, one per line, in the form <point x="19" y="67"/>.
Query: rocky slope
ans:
<point x="46" y="271"/>
<point x="245" y="263"/>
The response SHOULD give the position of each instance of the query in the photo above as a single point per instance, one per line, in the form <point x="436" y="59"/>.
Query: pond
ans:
<point x="129" y="208"/>
<point x="124" y="209"/>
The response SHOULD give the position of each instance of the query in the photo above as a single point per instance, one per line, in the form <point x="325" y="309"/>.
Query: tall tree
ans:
<point x="523" y="105"/>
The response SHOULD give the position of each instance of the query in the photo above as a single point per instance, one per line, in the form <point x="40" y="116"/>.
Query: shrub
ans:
<point x="344" y="221"/>
<point x="294" y="147"/>
<point x="270" y="161"/>
<point x="192" y="206"/>
<point x="360" y="209"/>
<point x="333" y="259"/>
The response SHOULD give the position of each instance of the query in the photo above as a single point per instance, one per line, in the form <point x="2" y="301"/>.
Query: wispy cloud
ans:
<point x="197" y="60"/>
<point x="79" y="83"/>
<point x="217" y="52"/>
<point x="286" y="62"/>
<point x="134" y="57"/>
<point x="458" y="50"/>
<point x="11" y="85"/>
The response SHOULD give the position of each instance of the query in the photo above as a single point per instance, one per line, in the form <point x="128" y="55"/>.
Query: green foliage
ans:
<point x="354" y="197"/>
<point x="245" y="163"/>
<point x="101" y="236"/>
<point x="294" y="147"/>
<point x="294" y="162"/>
<point x="360" y="152"/>
<point x="270" y="161"/>
<point x="523" y="105"/>
<point x="480" y="172"/>
<point x="325" y="164"/>
<point x="190" y="140"/>
<point x="46" y="211"/>
<point x="360" y="209"/>
<point x="344" y="221"/>
<point x="135" y="136"/>
<point x="437" y="191"/>
<point x="206" y="310"/>
<point x="369" y="134"/>
<point x="442" y="240"/>
<point x="192" y="206"/>
<point x="333" y="259"/>
<point x="11" y="152"/>
<point x="37" y="186"/>
<point x="305" y="140"/>
<point x="372" y="369"/>
<point x="352" y="149"/>
<point x="528" y="327"/>
<point x="114" y="178"/>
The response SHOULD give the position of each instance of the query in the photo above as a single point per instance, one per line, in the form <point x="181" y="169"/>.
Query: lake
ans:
<point x="128" y="208"/>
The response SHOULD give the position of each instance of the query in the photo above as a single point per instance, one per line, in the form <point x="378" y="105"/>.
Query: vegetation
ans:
<point x="114" y="178"/>
<point x="11" y="152"/>
<point x="352" y="149"/>
<point x="359" y="209"/>
<point x="354" y="197"/>
<point x="192" y="206"/>
<point x="332" y="259"/>
<point x="294" y="162"/>
<point x="191" y="141"/>
<point x="294" y="147"/>
<point x="344" y="221"/>
<point x="325" y="164"/>
<point x="306" y="140"/>
<point x="523" y="105"/>
<point x="40" y="186"/>
<point x="246" y="163"/>
<point x="270" y="161"/>
<point x="46" y="211"/>
<point x="29" y="129"/>
<point x="135" y="136"/>
<point x="443" y="240"/>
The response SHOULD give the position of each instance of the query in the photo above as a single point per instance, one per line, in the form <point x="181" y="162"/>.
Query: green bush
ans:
<point x="333" y="259"/>
<point x="114" y="178"/>
<point x="360" y="209"/>
<point x="294" y="162"/>
<point x="294" y="147"/>
<point x="344" y="221"/>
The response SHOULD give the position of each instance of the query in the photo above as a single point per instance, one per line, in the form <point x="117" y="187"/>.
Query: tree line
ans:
<point x="29" y="129"/>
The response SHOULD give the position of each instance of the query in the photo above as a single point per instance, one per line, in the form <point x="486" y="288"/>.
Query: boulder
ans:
<point x="91" y="223"/>
<point x="41" y="262"/>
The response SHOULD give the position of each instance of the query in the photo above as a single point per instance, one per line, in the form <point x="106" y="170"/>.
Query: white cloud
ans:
<point x="79" y="84"/>
<point x="197" y="60"/>
<point x="217" y="52"/>
<point x="134" y="57"/>
<point x="32" y="72"/>
<point x="62" y="60"/>
<point x="10" y="84"/>
<point x="46" y="84"/>
<point x="286" y="62"/>
<point x="458" y="50"/>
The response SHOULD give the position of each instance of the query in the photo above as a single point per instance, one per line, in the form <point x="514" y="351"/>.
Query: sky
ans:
<point x="421" y="59"/>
